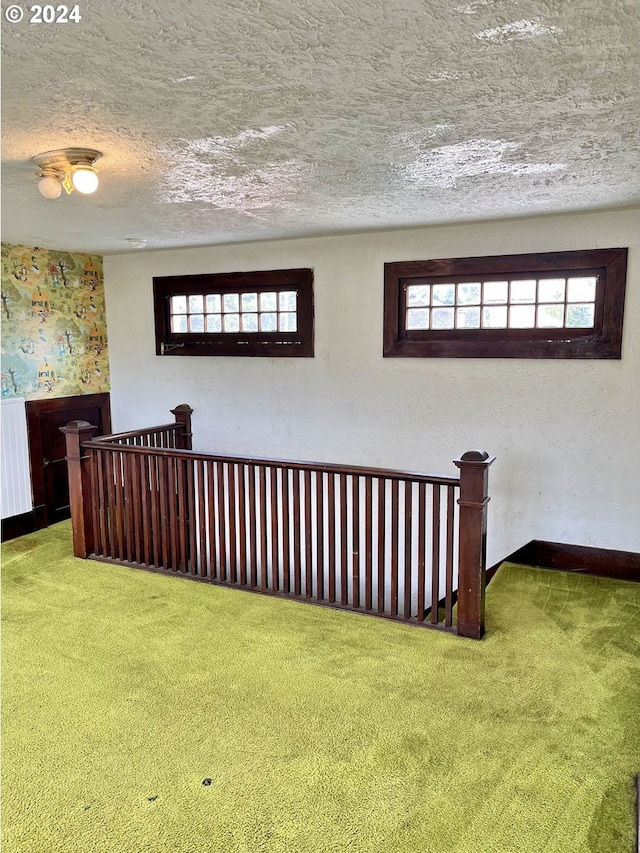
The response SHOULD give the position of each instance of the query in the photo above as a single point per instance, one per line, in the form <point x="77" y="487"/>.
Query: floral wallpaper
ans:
<point x="54" y="337"/>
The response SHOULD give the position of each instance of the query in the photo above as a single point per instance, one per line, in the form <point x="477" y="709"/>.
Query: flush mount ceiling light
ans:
<point x="68" y="168"/>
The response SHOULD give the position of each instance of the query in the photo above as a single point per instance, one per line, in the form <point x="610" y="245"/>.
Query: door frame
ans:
<point x="35" y="411"/>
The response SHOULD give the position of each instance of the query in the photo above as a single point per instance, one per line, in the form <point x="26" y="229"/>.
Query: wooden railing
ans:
<point x="395" y="544"/>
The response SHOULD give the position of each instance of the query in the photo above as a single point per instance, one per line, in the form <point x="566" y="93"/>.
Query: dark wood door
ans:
<point x="47" y="449"/>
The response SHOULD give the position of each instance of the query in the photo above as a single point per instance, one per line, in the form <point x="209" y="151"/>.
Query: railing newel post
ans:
<point x="80" y="492"/>
<point x="182" y="414"/>
<point x="472" y="547"/>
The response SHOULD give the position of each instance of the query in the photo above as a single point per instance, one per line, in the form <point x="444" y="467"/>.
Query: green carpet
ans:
<point x="125" y="692"/>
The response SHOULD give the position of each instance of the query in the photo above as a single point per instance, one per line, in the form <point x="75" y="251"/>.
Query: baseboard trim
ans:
<point x="18" y="525"/>
<point x="581" y="559"/>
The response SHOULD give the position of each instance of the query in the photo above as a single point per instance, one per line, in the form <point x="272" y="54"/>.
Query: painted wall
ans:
<point x="54" y="339"/>
<point x="564" y="432"/>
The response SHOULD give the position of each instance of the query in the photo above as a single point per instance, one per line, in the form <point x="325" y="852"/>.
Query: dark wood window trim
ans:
<point x="603" y="340"/>
<point x="259" y="343"/>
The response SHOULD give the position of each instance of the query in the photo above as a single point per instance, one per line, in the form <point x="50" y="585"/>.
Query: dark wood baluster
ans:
<point x="136" y="464"/>
<point x="102" y="545"/>
<point x="202" y="518"/>
<point x="110" y="503"/>
<point x="253" y="527"/>
<point x="286" y="544"/>
<point x="264" y="556"/>
<point x="128" y="460"/>
<point x="382" y="538"/>
<point x="308" y="542"/>
<point x="156" y="510"/>
<point x="213" y="573"/>
<point x="275" y="521"/>
<point x="355" y="542"/>
<point x="448" y="600"/>
<point x="297" y="548"/>
<point x="344" y="548"/>
<point x="435" y="555"/>
<point x="192" y="539"/>
<point x="104" y="492"/>
<point x="95" y="520"/>
<point x="394" y="547"/>
<point x="146" y="512"/>
<point x="242" y="524"/>
<point x="222" y="511"/>
<point x="408" y="507"/>
<point x="331" y="517"/>
<point x="127" y="522"/>
<point x="163" y="505"/>
<point x="232" y="506"/>
<point x="182" y="517"/>
<point x="120" y="511"/>
<point x="174" y="514"/>
<point x="368" y="544"/>
<point x="422" y="513"/>
<point x="319" y="535"/>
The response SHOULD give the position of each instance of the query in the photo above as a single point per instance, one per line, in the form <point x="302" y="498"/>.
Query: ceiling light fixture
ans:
<point x="68" y="169"/>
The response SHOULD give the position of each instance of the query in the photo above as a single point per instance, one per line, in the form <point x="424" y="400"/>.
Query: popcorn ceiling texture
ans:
<point x="254" y="120"/>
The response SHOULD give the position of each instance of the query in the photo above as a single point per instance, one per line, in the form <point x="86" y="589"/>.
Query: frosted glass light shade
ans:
<point x="85" y="181"/>
<point x="50" y="187"/>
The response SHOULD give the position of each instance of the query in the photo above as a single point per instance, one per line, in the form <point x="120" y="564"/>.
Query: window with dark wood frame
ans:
<point x="552" y="305"/>
<point x="268" y="313"/>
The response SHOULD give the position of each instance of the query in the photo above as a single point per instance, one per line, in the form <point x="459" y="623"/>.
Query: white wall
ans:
<point x="565" y="432"/>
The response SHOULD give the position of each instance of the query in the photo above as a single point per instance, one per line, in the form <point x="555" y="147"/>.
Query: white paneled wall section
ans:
<point x="16" y="481"/>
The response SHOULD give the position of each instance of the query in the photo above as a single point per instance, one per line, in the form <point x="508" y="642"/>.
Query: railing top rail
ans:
<point x="137" y="433"/>
<point x="292" y="464"/>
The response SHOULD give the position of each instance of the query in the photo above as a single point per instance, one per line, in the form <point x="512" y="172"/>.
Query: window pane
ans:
<point x="268" y="302"/>
<point x="550" y="316"/>
<point x="179" y="323"/>
<point x="418" y="294"/>
<point x="231" y="322"/>
<point x="288" y="300"/>
<point x="581" y="289"/>
<point x="213" y="303"/>
<point x="522" y="317"/>
<point x="269" y="322"/>
<point x="442" y="318"/>
<point x="494" y="317"/>
<point x="178" y="304"/>
<point x="495" y="292"/>
<point x="469" y="294"/>
<point x="580" y="316"/>
<point x="196" y="305"/>
<point x="215" y="314"/>
<point x="532" y="305"/>
<point x="444" y="294"/>
<point x="250" y="322"/>
<point x="418" y="318"/>
<point x="287" y="322"/>
<point x="231" y="303"/>
<point x="551" y="290"/>
<point x="468" y="318"/>
<point x="523" y="291"/>
<point x="249" y="301"/>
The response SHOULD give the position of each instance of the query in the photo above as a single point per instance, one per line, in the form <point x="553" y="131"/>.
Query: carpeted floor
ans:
<point x="148" y="714"/>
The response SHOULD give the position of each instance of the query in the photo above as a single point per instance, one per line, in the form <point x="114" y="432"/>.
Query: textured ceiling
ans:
<point x="257" y="119"/>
